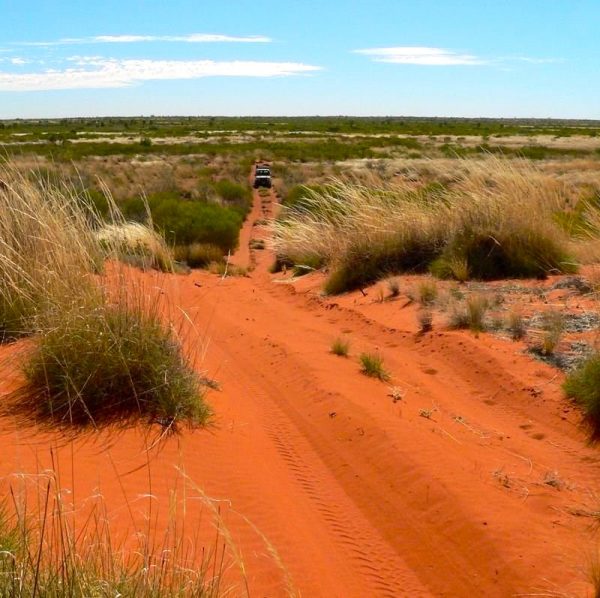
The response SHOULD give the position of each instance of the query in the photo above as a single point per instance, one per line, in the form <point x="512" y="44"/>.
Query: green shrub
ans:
<point x="583" y="385"/>
<point x="235" y="195"/>
<point x="193" y="222"/>
<point x="183" y="222"/>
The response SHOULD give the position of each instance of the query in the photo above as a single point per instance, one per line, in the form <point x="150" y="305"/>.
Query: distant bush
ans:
<point x="234" y="195"/>
<point x="185" y="222"/>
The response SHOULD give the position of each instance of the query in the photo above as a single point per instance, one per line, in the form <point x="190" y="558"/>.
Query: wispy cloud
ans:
<point x="192" y="38"/>
<point x="421" y="55"/>
<point x="531" y="60"/>
<point x="426" y="56"/>
<point x="96" y="72"/>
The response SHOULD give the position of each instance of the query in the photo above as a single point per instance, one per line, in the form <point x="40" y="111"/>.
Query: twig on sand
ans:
<point x="226" y="265"/>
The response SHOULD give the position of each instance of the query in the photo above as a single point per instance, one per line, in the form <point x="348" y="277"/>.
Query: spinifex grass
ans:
<point x="583" y="386"/>
<point x="47" y="248"/>
<point x="102" y="351"/>
<point x="52" y="548"/>
<point x="473" y="229"/>
<point x="104" y="362"/>
<point x="340" y="347"/>
<point x="372" y="366"/>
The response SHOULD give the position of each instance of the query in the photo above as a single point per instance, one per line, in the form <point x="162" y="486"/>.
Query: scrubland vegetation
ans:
<point x="472" y="228"/>
<point x="459" y="200"/>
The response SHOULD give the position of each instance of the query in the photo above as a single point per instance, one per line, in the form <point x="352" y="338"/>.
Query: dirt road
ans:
<point x="464" y="486"/>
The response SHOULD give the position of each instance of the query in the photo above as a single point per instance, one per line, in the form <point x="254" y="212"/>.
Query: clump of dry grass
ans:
<point x="137" y="245"/>
<point x="516" y="325"/>
<point x="473" y="229"/>
<point x="425" y="320"/>
<point x="427" y="292"/>
<point x="470" y="314"/>
<point x="47" y="248"/>
<point x="553" y="326"/>
<point x="48" y="548"/>
<point x="340" y="347"/>
<point x="372" y="366"/>
<point x="393" y="287"/>
<point x="101" y="351"/>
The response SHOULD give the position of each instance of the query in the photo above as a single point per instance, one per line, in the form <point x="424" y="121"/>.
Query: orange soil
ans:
<point x="442" y="493"/>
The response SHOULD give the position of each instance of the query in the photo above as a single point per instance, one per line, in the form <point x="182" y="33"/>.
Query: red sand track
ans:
<point x="360" y="495"/>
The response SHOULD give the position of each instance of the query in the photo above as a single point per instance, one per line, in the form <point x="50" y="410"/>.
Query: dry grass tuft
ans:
<point x="340" y="347"/>
<point x="101" y="351"/>
<point x="138" y="245"/>
<point x="372" y="366"/>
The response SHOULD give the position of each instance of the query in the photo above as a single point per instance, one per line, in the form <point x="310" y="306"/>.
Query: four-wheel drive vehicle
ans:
<point x="262" y="176"/>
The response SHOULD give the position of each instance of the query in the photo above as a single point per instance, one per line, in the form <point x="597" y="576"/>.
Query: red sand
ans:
<point x="358" y="495"/>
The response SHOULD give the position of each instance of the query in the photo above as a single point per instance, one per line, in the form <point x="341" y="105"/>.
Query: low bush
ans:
<point x="583" y="386"/>
<point x="470" y="314"/>
<point x="101" y="351"/>
<point x="184" y="222"/>
<point x="490" y="254"/>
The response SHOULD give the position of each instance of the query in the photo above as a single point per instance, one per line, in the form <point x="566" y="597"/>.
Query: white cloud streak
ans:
<point x="192" y="38"/>
<point x="97" y="73"/>
<point x="421" y="55"/>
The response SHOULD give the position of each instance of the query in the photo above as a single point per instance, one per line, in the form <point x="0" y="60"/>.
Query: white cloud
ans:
<point x="95" y="72"/>
<point x="421" y="55"/>
<point x="20" y="61"/>
<point x="536" y="60"/>
<point x="192" y="38"/>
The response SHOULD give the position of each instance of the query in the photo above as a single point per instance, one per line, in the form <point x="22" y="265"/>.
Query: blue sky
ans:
<point x="497" y="58"/>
